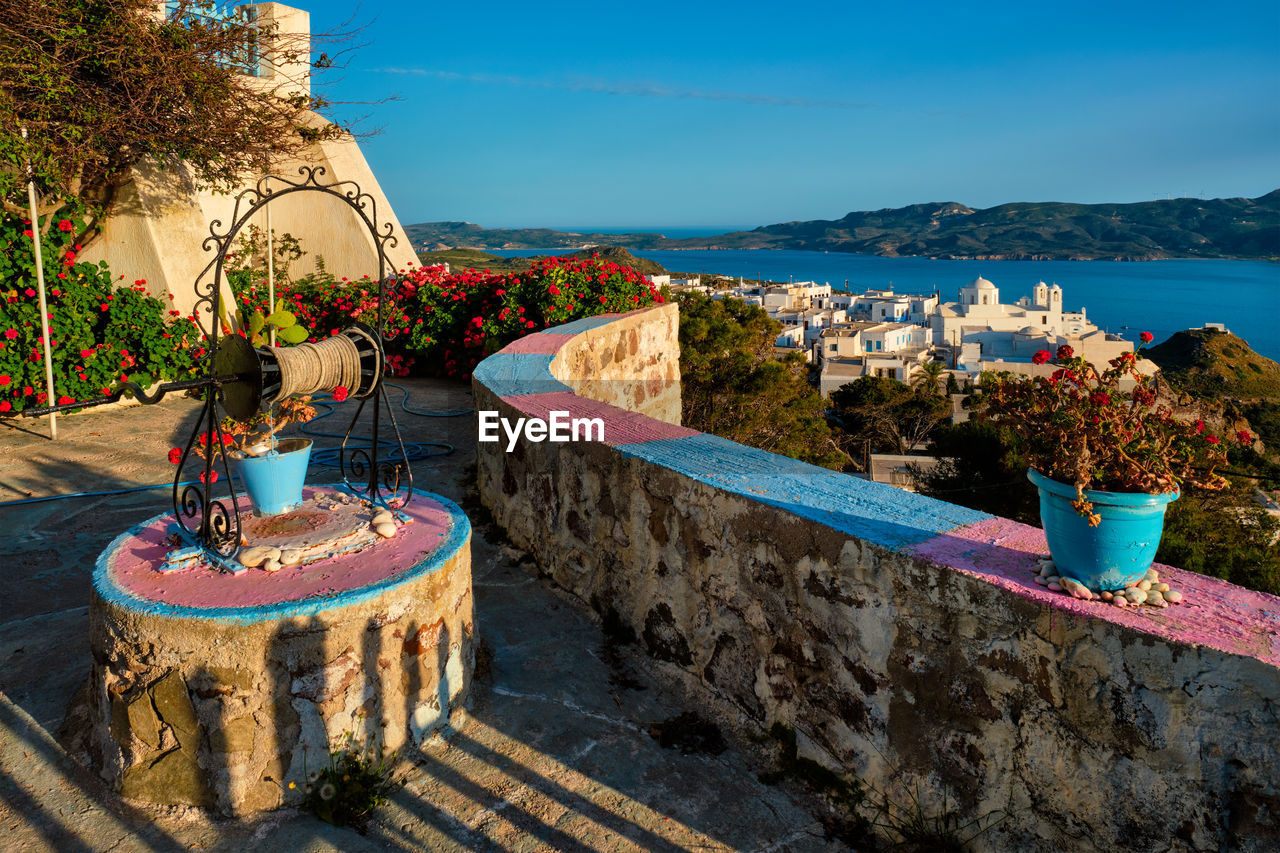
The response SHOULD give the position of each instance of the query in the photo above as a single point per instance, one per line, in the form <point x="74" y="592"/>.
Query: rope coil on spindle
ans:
<point x="308" y="368"/>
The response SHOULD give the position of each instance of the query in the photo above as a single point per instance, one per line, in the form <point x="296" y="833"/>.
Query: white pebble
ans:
<point x="1042" y="580"/>
<point x="386" y="530"/>
<point x="1156" y="599"/>
<point x="1135" y="596"/>
<point x="1120" y="601"/>
<point x="1055" y="579"/>
<point x="1172" y="596"/>
<point x="383" y="517"/>
<point x="1053" y="587"/>
<point x="1144" y="585"/>
<point x="1160" y="587"/>
<point x="271" y="566"/>
<point x="258" y="555"/>
<point x="290" y="557"/>
<point x="1106" y="596"/>
<point x="1152" y="575"/>
<point x="1077" y="589"/>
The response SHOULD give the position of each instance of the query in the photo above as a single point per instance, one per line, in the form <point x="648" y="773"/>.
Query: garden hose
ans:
<point x="326" y="458"/>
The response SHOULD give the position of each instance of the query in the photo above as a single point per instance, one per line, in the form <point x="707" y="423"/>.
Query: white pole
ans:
<point x="271" y="274"/>
<point x="44" y="305"/>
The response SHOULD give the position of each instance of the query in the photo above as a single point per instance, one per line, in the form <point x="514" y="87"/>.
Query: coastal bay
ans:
<point x="1124" y="297"/>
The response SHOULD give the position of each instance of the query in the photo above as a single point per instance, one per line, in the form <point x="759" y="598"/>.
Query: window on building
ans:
<point x="1044" y="319"/>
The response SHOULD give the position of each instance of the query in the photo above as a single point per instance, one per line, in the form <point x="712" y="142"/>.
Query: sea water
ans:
<point x="1124" y="297"/>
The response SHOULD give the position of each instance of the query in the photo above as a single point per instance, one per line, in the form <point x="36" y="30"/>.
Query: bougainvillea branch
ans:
<point x="102" y="85"/>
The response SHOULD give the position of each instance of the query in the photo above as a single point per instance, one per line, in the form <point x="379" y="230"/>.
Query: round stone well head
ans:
<point x="219" y="690"/>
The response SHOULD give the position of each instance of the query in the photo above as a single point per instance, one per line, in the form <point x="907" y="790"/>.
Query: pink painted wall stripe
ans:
<point x="1215" y="613"/>
<point x="133" y="568"/>
<point x="543" y="343"/>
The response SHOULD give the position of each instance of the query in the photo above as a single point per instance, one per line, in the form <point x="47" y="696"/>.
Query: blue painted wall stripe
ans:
<point x="106" y="587"/>
<point x="512" y="374"/>
<point x="873" y="512"/>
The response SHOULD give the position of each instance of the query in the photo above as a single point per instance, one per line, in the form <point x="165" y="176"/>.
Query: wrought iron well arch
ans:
<point x="213" y="524"/>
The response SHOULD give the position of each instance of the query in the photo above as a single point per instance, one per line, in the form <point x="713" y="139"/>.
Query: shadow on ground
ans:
<point x="555" y="752"/>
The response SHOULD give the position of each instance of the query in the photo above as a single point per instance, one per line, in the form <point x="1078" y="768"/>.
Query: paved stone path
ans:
<point x="554" y="753"/>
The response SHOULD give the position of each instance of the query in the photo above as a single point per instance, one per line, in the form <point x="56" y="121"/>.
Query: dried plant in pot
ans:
<point x="273" y="470"/>
<point x="1107" y="456"/>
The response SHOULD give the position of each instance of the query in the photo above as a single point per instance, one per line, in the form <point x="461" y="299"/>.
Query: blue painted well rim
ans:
<point x="104" y="584"/>
<point x="1100" y="497"/>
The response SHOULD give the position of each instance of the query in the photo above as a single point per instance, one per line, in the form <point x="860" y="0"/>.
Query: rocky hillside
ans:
<point x="1215" y="365"/>
<point x="1240" y="387"/>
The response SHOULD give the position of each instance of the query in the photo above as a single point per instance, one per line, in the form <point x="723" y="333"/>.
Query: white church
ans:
<point x="985" y="334"/>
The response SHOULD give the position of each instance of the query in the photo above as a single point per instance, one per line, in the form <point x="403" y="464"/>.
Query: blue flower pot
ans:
<point x="1112" y="555"/>
<point x="274" y="481"/>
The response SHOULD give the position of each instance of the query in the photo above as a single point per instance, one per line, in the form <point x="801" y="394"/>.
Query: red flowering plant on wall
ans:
<point x="456" y="320"/>
<point x="102" y="331"/>
<point x="1105" y="430"/>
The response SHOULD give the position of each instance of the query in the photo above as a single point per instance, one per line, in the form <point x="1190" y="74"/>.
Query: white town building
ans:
<point x="982" y="333"/>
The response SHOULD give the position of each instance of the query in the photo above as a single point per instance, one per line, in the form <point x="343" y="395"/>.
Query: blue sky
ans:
<point x="742" y="114"/>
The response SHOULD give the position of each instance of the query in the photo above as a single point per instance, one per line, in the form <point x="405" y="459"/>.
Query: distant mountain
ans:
<point x="441" y="236"/>
<point x="1169" y="228"/>
<point x="478" y="260"/>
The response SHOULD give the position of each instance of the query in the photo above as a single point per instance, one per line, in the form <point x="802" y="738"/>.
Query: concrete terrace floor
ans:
<point x="554" y="752"/>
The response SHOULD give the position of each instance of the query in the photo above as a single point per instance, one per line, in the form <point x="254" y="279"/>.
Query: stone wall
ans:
<point x="900" y="638"/>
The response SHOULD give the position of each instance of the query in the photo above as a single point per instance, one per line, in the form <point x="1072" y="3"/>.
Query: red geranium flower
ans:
<point x="1146" y="337"/>
<point x="1244" y="437"/>
<point x="5" y="406"/>
<point x="1040" y="357"/>
<point x="175" y="455"/>
<point x="340" y="394"/>
<point x="1065" y="351"/>
<point x="1212" y="439"/>
<point x="64" y="225"/>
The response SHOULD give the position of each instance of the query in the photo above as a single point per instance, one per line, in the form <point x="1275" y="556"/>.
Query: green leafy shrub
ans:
<point x="733" y="386"/>
<point x="100" y="334"/>
<point x="359" y="778"/>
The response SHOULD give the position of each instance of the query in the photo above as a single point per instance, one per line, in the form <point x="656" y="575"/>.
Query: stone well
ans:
<point x="219" y="691"/>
